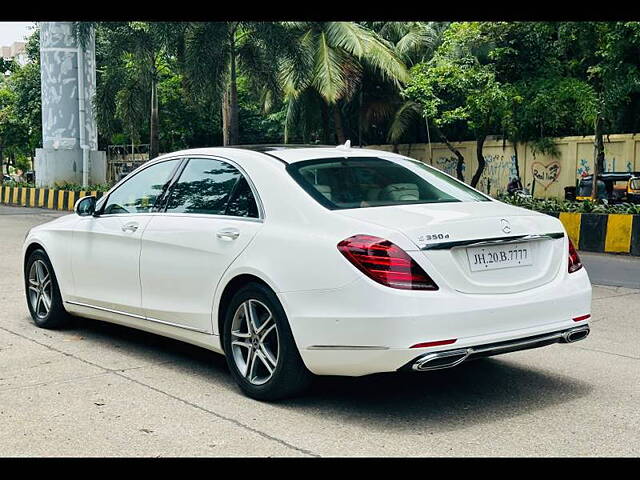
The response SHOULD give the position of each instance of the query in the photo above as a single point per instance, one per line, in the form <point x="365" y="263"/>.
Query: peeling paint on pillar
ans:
<point x="60" y="159"/>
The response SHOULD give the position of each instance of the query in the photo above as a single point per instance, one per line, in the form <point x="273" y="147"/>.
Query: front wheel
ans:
<point x="259" y="346"/>
<point x="43" y="294"/>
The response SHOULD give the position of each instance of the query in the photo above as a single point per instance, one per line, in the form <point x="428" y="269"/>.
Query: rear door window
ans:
<point x="211" y="186"/>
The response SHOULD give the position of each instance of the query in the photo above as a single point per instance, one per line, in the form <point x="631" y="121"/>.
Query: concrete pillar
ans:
<point x="61" y="158"/>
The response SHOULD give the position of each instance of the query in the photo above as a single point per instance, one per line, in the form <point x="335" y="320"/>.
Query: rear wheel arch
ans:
<point x="230" y="289"/>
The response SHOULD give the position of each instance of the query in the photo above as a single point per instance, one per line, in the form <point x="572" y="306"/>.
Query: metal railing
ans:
<point x="122" y="159"/>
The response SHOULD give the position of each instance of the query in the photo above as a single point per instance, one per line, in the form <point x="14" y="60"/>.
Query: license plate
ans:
<point x="493" y="257"/>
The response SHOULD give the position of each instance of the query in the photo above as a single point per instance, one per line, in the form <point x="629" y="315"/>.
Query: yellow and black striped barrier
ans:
<point x="591" y="232"/>
<point x="599" y="232"/>
<point x="43" y="197"/>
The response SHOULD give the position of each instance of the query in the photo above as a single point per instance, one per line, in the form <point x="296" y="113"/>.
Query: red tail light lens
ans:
<point x="385" y="263"/>
<point x="574" y="259"/>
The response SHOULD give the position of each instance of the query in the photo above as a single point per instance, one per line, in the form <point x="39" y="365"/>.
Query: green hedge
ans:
<point x="557" y="205"/>
<point x="74" y="187"/>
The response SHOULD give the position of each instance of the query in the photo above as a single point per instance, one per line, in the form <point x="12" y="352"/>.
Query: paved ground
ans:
<point x="612" y="270"/>
<point x="103" y="390"/>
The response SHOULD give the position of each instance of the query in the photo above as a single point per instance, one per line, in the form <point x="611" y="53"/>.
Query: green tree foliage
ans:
<point x="328" y="67"/>
<point x="191" y="84"/>
<point x="458" y="86"/>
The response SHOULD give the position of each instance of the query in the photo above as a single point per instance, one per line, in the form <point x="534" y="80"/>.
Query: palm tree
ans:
<point x="330" y="61"/>
<point x="135" y="54"/>
<point x="413" y="42"/>
<point x="215" y="52"/>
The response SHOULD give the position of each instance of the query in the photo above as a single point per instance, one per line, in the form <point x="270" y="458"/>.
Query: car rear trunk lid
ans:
<point x="460" y="240"/>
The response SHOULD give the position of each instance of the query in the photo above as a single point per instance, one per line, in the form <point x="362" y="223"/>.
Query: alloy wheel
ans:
<point x="255" y="342"/>
<point x="40" y="289"/>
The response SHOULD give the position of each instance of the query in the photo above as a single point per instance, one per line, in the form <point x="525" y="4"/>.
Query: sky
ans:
<point x="14" y="32"/>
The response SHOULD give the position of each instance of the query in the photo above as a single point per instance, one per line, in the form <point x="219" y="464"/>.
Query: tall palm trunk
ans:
<point x="337" y="119"/>
<point x="230" y="127"/>
<point x="324" y="111"/>
<point x="154" y="130"/>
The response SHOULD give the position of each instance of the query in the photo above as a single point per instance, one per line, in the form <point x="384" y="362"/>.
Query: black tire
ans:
<point x="56" y="316"/>
<point x="290" y="375"/>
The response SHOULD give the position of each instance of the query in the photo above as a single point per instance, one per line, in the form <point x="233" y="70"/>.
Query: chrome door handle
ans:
<point x="228" y="234"/>
<point x="129" y="227"/>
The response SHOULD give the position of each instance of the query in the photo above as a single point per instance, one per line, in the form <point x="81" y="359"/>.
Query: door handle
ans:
<point x="129" y="227"/>
<point x="228" y="234"/>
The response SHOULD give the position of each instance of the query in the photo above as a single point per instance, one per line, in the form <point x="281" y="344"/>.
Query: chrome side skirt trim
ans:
<point x="493" y="241"/>
<point x="139" y="317"/>
<point x="346" y="347"/>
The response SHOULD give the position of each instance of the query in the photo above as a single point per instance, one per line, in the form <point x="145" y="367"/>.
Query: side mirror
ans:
<point x="86" y="206"/>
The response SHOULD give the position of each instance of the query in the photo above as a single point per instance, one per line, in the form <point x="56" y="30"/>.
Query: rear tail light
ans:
<point x="386" y="263"/>
<point x="574" y="259"/>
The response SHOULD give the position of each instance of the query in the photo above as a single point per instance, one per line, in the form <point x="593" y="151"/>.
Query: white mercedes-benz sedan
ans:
<point x="310" y="260"/>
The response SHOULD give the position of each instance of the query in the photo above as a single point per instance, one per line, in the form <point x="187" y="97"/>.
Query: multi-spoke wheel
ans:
<point x="254" y="344"/>
<point x="43" y="295"/>
<point x="259" y="345"/>
<point x="40" y="291"/>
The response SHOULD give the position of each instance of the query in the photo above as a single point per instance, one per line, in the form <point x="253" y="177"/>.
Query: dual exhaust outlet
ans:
<point x="451" y="358"/>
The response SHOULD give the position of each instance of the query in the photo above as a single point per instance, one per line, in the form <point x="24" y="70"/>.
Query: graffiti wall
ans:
<point x="544" y="175"/>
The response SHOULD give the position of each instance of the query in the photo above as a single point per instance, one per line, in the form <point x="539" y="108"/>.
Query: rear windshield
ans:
<point x="359" y="182"/>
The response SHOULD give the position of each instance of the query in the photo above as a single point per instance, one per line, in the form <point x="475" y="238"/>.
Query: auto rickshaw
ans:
<point x="633" y="190"/>
<point x="615" y="187"/>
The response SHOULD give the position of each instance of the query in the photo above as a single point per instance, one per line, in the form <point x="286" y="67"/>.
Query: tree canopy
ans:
<point x="192" y="84"/>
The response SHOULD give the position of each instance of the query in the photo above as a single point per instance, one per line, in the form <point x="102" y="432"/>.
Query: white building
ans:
<point x="16" y="51"/>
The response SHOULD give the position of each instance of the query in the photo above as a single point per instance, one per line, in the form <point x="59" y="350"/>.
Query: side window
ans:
<point x="242" y="202"/>
<point x="139" y="193"/>
<point x="205" y="186"/>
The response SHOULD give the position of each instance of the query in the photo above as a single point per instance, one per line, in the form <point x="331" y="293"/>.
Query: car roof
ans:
<point x="289" y="153"/>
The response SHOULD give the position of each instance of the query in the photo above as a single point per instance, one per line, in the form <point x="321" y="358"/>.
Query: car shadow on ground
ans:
<point x="481" y="391"/>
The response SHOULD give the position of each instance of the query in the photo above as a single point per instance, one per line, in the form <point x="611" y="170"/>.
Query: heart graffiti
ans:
<point x="545" y="174"/>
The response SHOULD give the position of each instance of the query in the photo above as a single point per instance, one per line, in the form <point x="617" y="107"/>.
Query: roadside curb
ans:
<point x="50" y="198"/>
<point x="602" y="232"/>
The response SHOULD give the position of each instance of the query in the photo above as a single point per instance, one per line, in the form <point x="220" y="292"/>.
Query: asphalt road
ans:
<point x="103" y="390"/>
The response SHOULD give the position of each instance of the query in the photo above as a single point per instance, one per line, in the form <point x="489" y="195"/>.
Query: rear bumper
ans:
<point x="452" y="358"/>
<point x="366" y="328"/>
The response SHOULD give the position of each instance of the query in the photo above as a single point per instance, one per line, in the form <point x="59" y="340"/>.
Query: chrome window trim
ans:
<point x="105" y="198"/>
<point x="188" y="215"/>
<point x="187" y="157"/>
<point x="133" y="315"/>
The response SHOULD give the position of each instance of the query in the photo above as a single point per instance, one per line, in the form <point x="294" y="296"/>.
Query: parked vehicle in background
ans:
<point x="301" y="261"/>
<point x="633" y="190"/>
<point x="614" y="187"/>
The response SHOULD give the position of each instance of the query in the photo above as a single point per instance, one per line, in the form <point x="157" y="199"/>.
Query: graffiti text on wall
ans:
<point x="448" y="165"/>
<point x="584" y="167"/>
<point x="498" y="171"/>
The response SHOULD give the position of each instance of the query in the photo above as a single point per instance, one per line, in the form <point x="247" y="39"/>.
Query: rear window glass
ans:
<point x="360" y="182"/>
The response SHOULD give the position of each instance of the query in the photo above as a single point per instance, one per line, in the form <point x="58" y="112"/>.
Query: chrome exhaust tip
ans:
<point x="575" y="334"/>
<point x="438" y="360"/>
